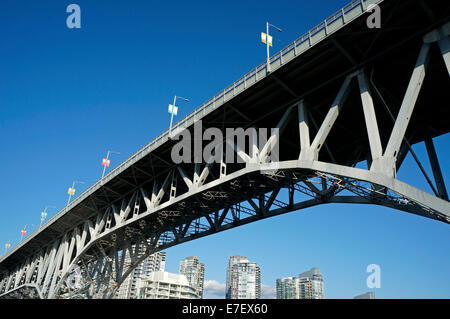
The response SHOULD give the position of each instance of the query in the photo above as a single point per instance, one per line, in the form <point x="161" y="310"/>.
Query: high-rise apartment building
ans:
<point x="311" y="284"/>
<point x="164" y="285"/>
<point x="288" y="288"/>
<point x="233" y="260"/>
<point x="154" y="262"/>
<point x="243" y="279"/>
<point x="308" y="285"/>
<point x="194" y="272"/>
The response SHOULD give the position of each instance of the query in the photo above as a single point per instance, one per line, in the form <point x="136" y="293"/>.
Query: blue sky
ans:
<point x="68" y="96"/>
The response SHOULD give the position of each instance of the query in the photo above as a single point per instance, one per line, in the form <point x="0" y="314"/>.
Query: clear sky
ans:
<point x="68" y="96"/>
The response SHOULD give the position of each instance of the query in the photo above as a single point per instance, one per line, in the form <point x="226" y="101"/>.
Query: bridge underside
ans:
<point x="23" y="292"/>
<point x="348" y="111"/>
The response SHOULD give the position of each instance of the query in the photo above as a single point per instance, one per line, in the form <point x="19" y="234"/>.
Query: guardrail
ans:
<point x="285" y="55"/>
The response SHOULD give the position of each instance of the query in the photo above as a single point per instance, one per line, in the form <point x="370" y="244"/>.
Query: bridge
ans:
<point x="348" y="103"/>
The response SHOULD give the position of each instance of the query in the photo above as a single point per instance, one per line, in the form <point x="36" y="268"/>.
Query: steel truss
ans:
<point x="89" y="260"/>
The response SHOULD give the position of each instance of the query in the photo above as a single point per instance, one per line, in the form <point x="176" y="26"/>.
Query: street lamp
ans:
<point x="7" y="246"/>
<point x="44" y="214"/>
<point x="106" y="161"/>
<point x="71" y="190"/>
<point x="267" y="39"/>
<point x="23" y="232"/>
<point x="173" y="110"/>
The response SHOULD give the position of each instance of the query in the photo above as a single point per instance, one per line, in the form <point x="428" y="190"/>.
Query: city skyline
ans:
<point x="191" y="273"/>
<point x="307" y="285"/>
<point x="217" y="290"/>
<point x="68" y="98"/>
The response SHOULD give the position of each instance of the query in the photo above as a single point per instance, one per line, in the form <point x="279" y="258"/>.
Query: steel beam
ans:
<point x="440" y="184"/>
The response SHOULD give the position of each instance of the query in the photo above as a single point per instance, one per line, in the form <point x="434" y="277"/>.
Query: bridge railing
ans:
<point x="301" y="44"/>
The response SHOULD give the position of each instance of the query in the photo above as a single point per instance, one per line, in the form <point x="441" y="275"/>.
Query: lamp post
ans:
<point x="71" y="190"/>
<point x="7" y="246"/>
<point x="173" y="110"/>
<point x="23" y="232"/>
<point x="268" y="41"/>
<point x="44" y="214"/>
<point x="106" y="161"/>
